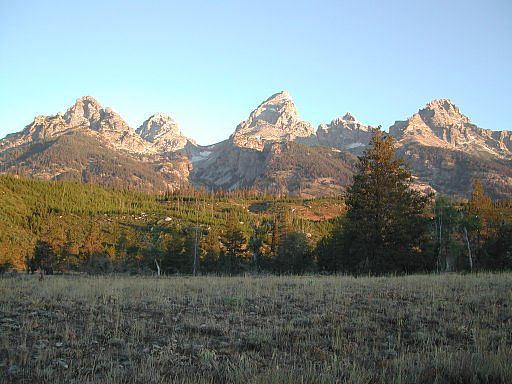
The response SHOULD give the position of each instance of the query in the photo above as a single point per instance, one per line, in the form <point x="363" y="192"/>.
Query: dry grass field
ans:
<point x="414" y="329"/>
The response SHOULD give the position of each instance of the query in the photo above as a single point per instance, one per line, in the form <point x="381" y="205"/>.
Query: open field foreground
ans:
<point x="415" y="329"/>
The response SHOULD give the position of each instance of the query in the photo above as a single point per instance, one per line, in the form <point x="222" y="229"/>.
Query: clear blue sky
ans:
<point x="209" y="63"/>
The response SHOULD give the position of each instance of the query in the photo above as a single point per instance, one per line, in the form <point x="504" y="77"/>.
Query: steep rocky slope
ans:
<point x="86" y="115"/>
<point x="345" y="133"/>
<point x="90" y="143"/>
<point x="441" y="124"/>
<point x="163" y="133"/>
<point x="448" y="152"/>
<point x="80" y="157"/>
<point x="444" y="149"/>
<point x="265" y="153"/>
<point x="276" y="119"/>
<point x="273" y="150"/>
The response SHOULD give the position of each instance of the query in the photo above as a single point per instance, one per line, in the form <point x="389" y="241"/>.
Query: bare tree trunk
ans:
<point x="440" y="243"/>
<point x="157" y="268"/>
<point x="470" y="257"/>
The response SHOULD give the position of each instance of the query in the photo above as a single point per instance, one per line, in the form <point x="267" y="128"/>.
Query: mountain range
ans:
<point x="273" y="150"/>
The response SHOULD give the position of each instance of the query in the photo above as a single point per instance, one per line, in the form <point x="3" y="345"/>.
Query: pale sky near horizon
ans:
<point x="210" y="63"/>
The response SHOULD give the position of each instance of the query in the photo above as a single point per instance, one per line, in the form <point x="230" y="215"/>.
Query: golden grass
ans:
<point x="414" y="329"/>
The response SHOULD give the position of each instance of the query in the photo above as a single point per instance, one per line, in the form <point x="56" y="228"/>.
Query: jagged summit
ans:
<point x="283" y="95"/>
<point x="85" y="104"/>
<point x="349" y="117"/>
<point x="445" y="104"/>
<point x="442" y="124"/>
<point x="276" y="119"/>
<point x="157" y="125"/>
<point x="87" y="116"/>
<point x="345" y="132"/>
<point x="88" y="101"/>
<point x="273" y="149"/>
<point x="163" y="131"/>
<point x="349" y="120"/>
<point x="279" y="109"/>
<point x="161" y="115"/>
<point x="88" y="112"/>
<point x="442" y="112"/>
<point x="86" y="108"/>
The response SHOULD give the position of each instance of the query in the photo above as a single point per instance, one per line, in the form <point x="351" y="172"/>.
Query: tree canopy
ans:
<point x="386" y="219"/>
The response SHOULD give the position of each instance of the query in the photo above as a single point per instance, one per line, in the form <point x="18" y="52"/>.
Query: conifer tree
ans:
<point x="294" y="254"/>
<point x="210" y="251"/>
<point x="177" y="258"/>
<point x="234" y="242"/>
<point x="328" y="251"/>
<point x="385" y="217"/>
<point x="44" y="257"/>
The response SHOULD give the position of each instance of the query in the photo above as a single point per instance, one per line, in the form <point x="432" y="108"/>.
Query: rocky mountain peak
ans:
<point x="163" y="131"/>
<point x="278" y="109"/>
<point x="345" y="132"/>
<point x="88" y="102"/>
<point x="442" y="124"/>
<point x="283" y="95"/>
<point x="86" y="111"/>
<point x="157" y="125"/>
<point x="88" y="116"/>
<point x="275" y="119"/>
<point x="442" y="113"/>
<point x="439" y="121"/>
<point x="349" y="117"/>
<point x="445" y="104"/>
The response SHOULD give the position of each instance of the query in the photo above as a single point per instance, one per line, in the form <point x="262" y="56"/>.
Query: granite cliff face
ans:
<point x="444" y="149"/>
<point x="92" y="143"/>
<point x="163" y="133"/>
<point x="267" y="153"/>
<point x="88" y="116"/>
<point x="441" y="124"/>
<point x="273" y="150"/>
<point x="276" y="119"/>
<point x="447" y="151"/>
<point x="345" y="133"/>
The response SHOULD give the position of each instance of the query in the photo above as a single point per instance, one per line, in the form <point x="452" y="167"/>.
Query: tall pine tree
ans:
<point x="234" y="243"/>
<point x="385" y="217"/>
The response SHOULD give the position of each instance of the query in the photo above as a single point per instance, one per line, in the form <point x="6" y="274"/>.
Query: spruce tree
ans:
<point x="385" y="216"/>
<point x="234" y="243"/>
<point x="210" y="251"/>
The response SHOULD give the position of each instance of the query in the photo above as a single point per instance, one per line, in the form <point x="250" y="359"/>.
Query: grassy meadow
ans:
<point x="416" y="329"/>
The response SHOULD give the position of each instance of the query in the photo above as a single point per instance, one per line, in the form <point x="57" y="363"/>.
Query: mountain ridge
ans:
<point x="249" y="158"/>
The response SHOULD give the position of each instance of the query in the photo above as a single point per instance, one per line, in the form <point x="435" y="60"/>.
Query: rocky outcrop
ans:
<point x="345" y="133"/>
<point x="92" y="143"/>
<point x="446" y="151"/>
<point x="269" y="152"/>
<point x="163" y="133"/>
<point x="273" y="150"/>
<point x="88" y="116"/>
<point x="441" y="124"/>
<point x="276" y="119"/>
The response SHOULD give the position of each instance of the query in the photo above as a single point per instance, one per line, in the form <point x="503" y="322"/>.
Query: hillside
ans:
<point x="120" y="222"/>
<point x="78" y="157"/>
